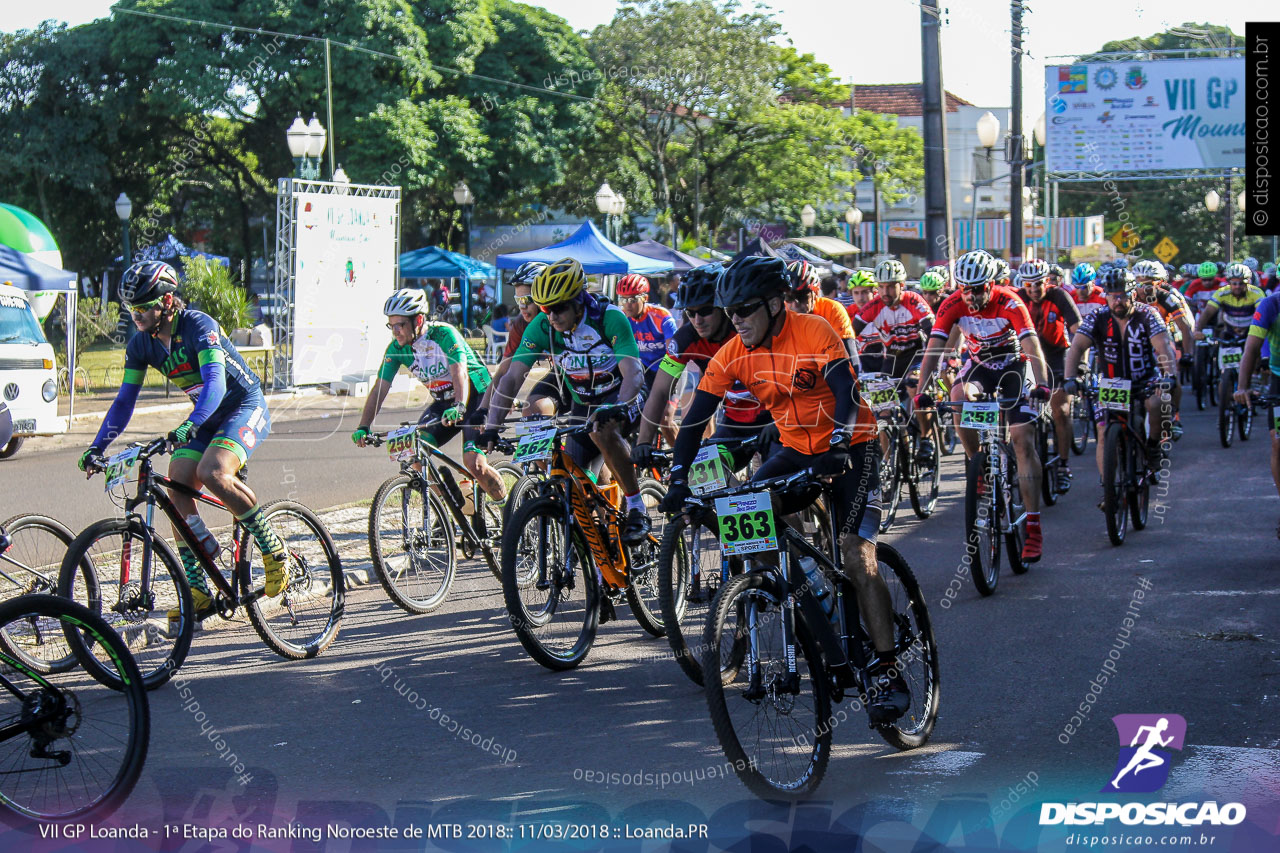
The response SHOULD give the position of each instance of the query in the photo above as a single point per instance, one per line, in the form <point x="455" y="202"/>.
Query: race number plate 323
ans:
<point x="118" y="466"/>
<point x="535" y="446"/>
<point x="1113" y="394"/>
<point x="747" y="524"/>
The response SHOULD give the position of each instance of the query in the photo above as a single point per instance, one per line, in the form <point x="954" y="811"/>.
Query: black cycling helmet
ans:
<point x="527" y="272"/>
<point x="752" y="277"/>
<point x="146" y="282"/>
<point x="1118" y="280"/>
<point x="698" y="286"/>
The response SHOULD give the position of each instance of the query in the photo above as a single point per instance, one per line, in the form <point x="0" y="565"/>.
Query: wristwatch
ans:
<point x="840" y="436"/>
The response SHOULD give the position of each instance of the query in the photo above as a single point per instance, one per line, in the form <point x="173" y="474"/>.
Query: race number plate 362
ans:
<point x="118" y="466"/>
<point x="980" y="415"/>
<point x="746" y="524"/>
<point x="1113" y="394"/>
<point x="400" y="444"/>
<point x="707" y="473"/>
<point x="535" y="446"/>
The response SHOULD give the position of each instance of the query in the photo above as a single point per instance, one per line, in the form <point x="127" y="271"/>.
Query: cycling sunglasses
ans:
<point x="745" y="309"/>
<point x="704" y="312"/>
<point x="522" y="301"/>
<point x="145" y="306"/>
<point x="558" y="308"/>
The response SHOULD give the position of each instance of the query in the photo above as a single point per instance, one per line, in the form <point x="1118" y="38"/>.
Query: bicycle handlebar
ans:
<point x="154" y="447"/>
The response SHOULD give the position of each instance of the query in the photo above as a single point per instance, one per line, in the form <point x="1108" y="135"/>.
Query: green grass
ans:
<point x="104" y="362"/>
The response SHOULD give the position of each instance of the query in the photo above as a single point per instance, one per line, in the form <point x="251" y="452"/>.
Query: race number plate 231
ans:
<point x="746" y="524"/>
<point x="707" y="473"/>
<point x="534" y="446"/>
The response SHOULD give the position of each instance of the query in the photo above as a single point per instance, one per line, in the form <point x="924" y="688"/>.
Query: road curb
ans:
<point x="185" y="406"/>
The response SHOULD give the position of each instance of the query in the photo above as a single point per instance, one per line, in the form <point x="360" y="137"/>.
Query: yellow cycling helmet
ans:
<point x="558" y="282"/>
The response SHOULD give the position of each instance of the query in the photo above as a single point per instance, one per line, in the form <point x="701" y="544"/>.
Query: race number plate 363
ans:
<point x="535" y="446"/>
<point x="747" y="524"/>
<point x="400" y="444"/>
<point x="118" y="466"/>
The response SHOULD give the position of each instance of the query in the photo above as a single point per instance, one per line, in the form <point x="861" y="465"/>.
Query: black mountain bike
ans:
<point x="70" y="748"/>
<point x="993" y="507"/>
<point x="899" y="441"/>
<point x="1051" y="461"/>
<point x="1127" y="469"/>
<point x="1082" y="405"/>
<point x="31" y="550"/>
<point x="121" y="569"/>
<point x="1232" y="417"/>
<point x="1206" y="372"/>
<point x="783" y="660"/>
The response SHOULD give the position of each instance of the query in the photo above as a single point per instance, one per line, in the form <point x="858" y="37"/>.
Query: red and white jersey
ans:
<point x="994" y="334"/>
<point x="898" y="326"/>
<point x="1086" y="305"/>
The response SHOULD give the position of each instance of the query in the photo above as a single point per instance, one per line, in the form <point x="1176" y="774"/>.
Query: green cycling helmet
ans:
<point x="1208" y="269"/>
<point x="861" y="278"/>
<point x="931" y="281"/>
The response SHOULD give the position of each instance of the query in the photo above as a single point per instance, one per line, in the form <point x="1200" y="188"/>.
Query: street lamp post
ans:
<point x="618" y="208"/>
<point x="988" y="133"/>
<point x="124" y="209"/>
<point x="604" y="204"/>
<point x="306" y="144"/>
<point x="1212" y="203"/>
<point x="465" y="200"/>
<point x="808" y="216"/>
<point x="853" y="216"/>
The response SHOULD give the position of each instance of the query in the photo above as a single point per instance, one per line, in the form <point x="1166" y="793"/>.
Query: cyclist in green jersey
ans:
<point x="437" y="355"/>
<point x="594" y="349"/>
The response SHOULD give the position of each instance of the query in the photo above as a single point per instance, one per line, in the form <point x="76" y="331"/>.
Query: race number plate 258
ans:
<point x="535" y="446"/>
<point x="980" y="415"/>
<point x="747" y="524"/>
<point x="118" y="466"/>
<point x="1113" y="394"/>
<point x="707" y="472"/>
<point x="400" y="444"/>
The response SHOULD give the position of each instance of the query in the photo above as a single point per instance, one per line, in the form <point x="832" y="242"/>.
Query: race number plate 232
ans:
<point x="747" y="524"/>
<point x="534" y="446"/>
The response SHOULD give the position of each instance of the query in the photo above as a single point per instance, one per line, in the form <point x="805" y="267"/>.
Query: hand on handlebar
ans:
<point x="360" y="435"/>
<point x="642" y="455"/>
<point x="673" y="501"/>
<point x="1243" y="396"/>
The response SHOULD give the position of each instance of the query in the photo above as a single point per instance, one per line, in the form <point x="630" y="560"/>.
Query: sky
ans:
<point x="975" y="36"/>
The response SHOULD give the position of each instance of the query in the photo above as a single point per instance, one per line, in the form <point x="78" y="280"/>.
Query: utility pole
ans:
<point x="1231" y="223"/>
<point x="1016" y="156"/>
<point x="937" y="187"/>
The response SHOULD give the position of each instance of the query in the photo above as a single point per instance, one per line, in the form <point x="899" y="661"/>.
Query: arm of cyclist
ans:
<point x="688" y="440"/>
<point x="1039" y="371"/>
<point x="461" y="394"/>
<point x="504" y="393"/>
<point x="1079" y="345"/>
<point x="1248" y="363"/>
<point x="372" y="405"/>
<point x="1207" y="314"/>
<point x="938" y="343"/>
<point x="117" y="417"/>
<point x="664" y="382"/>
<point x="213" y="378"/>
<point x="1166" y="355"/>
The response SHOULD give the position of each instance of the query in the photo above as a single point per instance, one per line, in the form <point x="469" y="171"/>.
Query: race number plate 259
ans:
<point x="400" y="444"/>
<point x="707" y="472"/>
<point x="746" y="524"/>
<point x="980" y="415"/>
<point x="1113" y="394"/>
<point x="535" y="446"/>
<point x="118" y="466"/>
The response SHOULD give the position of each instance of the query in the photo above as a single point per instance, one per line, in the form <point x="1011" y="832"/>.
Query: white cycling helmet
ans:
<point x="1035" y="269"/>
<point x="1149" y="269"/>
<point x="405" y="302"/>
<point x="1240" y="271"/>
<point x="974" y="268"/>
<point x="890" y="271"/>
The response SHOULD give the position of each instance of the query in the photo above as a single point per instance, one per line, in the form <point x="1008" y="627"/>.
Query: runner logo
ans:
<point x="1145" y="741"/>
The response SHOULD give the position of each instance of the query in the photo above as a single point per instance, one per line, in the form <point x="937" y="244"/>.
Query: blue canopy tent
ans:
<point x="170" y="249"/>
<point x="434" y="262"/>
<point x="681" y="262"/>
<point x="597" y="254"/>
<point x="26" y="273"/>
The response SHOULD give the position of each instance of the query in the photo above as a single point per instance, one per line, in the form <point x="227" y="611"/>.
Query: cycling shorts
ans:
<point x="1055" y="361"/>
<point x="551" y="388"/>
<point x="727" y="429"/>
<point x="241" y="430"/>
<point x="1005" y="381"/>
<point x="470" y="426"/>
<point x="581" y="448"/>
<point x="856" y="492"/>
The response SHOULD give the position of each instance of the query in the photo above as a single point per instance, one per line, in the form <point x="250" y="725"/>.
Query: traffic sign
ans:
<point x="1165" y="250"/>
<point x="1126" y="238"/>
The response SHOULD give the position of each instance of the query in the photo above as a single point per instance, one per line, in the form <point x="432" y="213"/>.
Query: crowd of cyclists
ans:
<point x="754" y="350"/>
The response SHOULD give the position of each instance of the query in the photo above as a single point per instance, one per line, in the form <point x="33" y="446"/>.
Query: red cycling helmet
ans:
<point x="633" y="284"/>
<point x="804" y="277"/>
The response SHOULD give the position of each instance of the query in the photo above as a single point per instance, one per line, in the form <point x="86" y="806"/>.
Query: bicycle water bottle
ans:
<point x="208" y="542"/>
<point x="818" y="584"/>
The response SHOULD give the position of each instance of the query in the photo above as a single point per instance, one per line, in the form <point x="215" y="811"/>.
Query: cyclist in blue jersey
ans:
<point x="1263" y="330"/>
<point x="228" y="422"/>
<point x="653" y="326"/>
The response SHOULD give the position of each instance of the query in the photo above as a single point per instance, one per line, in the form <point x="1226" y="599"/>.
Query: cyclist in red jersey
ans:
<point x="1001" y="340"/>
<point x="1055" y="317"/>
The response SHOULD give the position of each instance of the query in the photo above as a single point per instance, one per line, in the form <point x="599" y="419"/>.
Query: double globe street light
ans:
<point x="306" y="144"/>
<point x="612" y="205"/>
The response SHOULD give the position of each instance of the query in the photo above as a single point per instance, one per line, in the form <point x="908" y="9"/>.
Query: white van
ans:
<point x="28" y="373"/>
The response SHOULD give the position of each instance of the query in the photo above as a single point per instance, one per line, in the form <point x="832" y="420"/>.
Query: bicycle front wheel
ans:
<point x="982" y="524"/>
<point x="915" y="650"/>
<point x="303" y="619"/>
<point x="144" y="598"/>
<point x="689" y="572"/>
<point x="1081" y="422"/>
<point x="73" y="747"/>
<point x="411" y="543"/>
<point x="642" y="564"/>
<point x="30" y="564"/>
<point x="549" y="583"/>
<point x="1114" y="505"/>
<point x="775" y="730"/>
<point x="890" y="480"/>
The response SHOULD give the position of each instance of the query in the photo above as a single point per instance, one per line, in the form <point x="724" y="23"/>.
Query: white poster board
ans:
<point x="344" y="269"/>
<point x="1145" y="116"/>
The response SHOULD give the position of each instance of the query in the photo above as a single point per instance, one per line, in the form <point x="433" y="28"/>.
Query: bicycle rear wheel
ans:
<point x="30" y="564"/>
<point x="411" y="543"/>
<point x="915" y="649"/>
<point x="642" y="561"/>
<point x="1227" y="409"/>
<point x="1081" y="422"/>
<point x="689" y="571"/>
<point x="103" y="570"/>
<point x="778" y="738"/>
<point x="982" y="524"/>
<point x="75" y="748"/>
<point x="890" y="480"/>
<point x="1046" y="445"/>
<point x="549" y="583"/>
<point x="304" y="618"/>
<point x="924" y="491"/>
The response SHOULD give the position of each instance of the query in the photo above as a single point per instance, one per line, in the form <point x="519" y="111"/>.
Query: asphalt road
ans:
<point x="333" y="740"/>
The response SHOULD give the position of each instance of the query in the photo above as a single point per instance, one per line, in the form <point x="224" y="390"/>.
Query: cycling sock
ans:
<point x="193" y="569"/>
<point x="635" y="502"/>
<point x="268" y="541"/>
<point x="1033" y="519"/>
